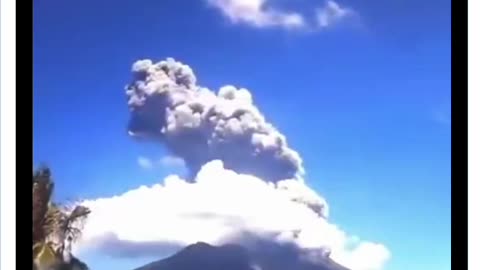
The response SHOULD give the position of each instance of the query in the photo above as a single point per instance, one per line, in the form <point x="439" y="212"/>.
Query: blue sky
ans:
<point x="365" y="101"/>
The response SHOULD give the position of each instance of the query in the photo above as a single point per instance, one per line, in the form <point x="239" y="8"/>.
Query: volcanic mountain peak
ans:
<point x="202" y="256"/>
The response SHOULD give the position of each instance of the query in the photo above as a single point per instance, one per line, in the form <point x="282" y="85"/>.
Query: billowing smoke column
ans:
<point x="199" y="126"/>
<point x="246" y="185"/>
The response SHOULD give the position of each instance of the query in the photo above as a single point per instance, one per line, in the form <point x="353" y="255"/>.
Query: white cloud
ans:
<point x="255" y="13"/>
<point x="361" y="256"/>
<point x="332" y="13"/>
<point x="221" y="204"/>
<point x="258" y="14"/>
<point x="171" y="161"/>
<point x="145" y="163"/>
<point x="167" y="161"/>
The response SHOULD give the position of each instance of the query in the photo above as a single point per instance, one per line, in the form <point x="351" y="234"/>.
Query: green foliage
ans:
<point x="53" y="227"/>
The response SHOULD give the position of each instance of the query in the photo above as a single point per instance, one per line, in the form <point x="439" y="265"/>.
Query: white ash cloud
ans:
<point x="246" y="183"/>
<point x="199" y="125"/>
<point x="219" y="207"/>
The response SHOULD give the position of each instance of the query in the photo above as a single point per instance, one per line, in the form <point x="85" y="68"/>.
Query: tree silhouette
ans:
<point x="55" y="227"/>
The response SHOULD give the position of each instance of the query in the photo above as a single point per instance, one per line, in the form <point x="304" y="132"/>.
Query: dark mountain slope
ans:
<point x="202" y="256"/>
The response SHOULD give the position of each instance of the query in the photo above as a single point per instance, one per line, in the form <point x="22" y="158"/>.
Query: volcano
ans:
<point x="202" y="256"/>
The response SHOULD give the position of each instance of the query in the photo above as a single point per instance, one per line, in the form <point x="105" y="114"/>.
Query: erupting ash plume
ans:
<point x="199" y="126"/>
<point x="246" y="185"/>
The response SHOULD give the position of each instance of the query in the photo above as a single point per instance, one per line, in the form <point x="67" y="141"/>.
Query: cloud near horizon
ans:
<point x="259" y="14"/>
<point x="218" y="206"/>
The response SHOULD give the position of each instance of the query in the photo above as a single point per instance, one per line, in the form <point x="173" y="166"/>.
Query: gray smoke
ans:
<point x="271" y="254"/>
<point x="199" y="125"/>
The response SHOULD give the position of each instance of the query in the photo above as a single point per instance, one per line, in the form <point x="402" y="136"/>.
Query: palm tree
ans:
<point x="54" y="227"/>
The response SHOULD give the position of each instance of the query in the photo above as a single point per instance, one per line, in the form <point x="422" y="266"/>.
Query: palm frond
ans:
<point x="42" y="190"/>
<point x="52" y="225"/>
<point x="55" y="226"/>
